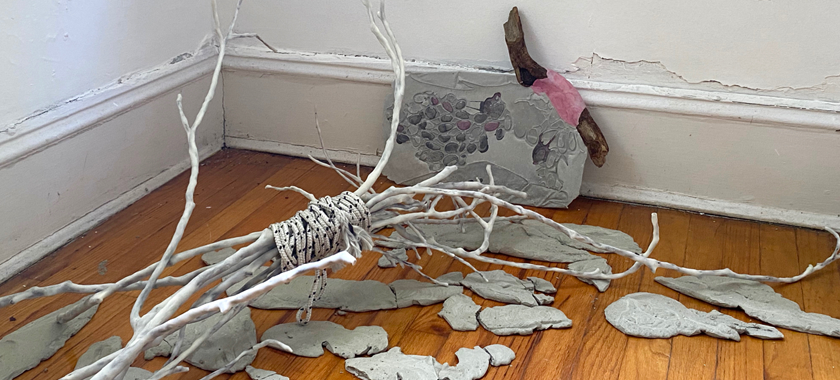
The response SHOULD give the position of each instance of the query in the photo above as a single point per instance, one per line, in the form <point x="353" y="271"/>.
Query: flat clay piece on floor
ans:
<point x="104" y="348"/>
<point x="387" y="260"/>
<point x="27" y="346"/>
<point x="215" y="257"/>
<point x="758" y="300"/>
<point x="347" y="295"/>
<point x="650" y="315"/>
<point x="501" y="286"/>
<point x="530" y="239"/>
<point x="500" y="355"/>
<point x="262" y="374"/>
<point x="598" y="263"/>
<point x="393" y="364"/>
<point x="543" y="299"/>
<point x="413" y="292"/>
<point x="451" y="278"/>
<point x="237" y="335"/>
<point x="460" y="312"/>
<point x="542" y="285"/>
<point x="310" y="339"/>
<point x="522" y="320"/>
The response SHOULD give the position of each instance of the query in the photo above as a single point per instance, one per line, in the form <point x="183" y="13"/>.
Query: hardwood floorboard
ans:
<point x="232" y="201"/>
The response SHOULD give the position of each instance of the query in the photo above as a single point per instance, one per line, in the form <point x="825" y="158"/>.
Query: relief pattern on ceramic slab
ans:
<point x="757" y="300"/>
<point x="472" y="119"/>
<point x="309" y="340"/>
<point x="650" y="315"/>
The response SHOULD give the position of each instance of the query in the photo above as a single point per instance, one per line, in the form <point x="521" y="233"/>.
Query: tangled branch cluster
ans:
<point x="330" y="233"/>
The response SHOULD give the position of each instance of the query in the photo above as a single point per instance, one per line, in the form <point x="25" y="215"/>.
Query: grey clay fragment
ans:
<point x="542" y="285"/>
<point x="756" y="299"/>
<point x="472" y="364"/>
<point x="387" y="260"/>
<point x="27" y="346"/>
<point x="460" y="312"/>
<point x="104" y="348"/>
<point x="543" y="299"/>
<point x="216" y="257"/>
<point x="340" y="294"/>
<point x="522" y="320"/>
<point x="650" y="315"/>
<point x="413" y="292"/>
<point x="501" y="286"/>
<point x="529" y="239"/>
<point x="262" y="374"/>
<point x="310" y="339"/>
<point x="597" y="263"/>
<point x="500" y="355"/>
<point x="451" y="278"/>
<point x="237" y="335"/>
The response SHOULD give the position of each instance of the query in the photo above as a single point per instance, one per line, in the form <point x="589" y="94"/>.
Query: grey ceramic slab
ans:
<point x="215" y="257"/>
<point x="597" y="263"/>
<point x="413" y="292"/>
<point x="237" y="335"/>
<point x="347" y="295"/>
<point x="460" y="312"/>
<point x="501" y="286"/>
<point x="262" y="374"/>
<point x="393" y="364"/>
<point x="650" y="315"/>
<point x="472" y="119"/>
<point x="522" y="320"/>
<point x="104" y="348"/>
<point x="758" y="300"/>
<point x="309" y="340"/>
<point x="27" y="346"/>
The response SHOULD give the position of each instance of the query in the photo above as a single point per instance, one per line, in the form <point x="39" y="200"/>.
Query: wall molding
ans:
<point x="702" y="205"/>
<point x="764" y="109"/>
<point x="48" y="245"/>
<point x="62" y="121"/>
<point x="300" y="151"/>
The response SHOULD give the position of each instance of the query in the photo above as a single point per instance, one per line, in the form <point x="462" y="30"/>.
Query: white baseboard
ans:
<point x="754" y="156"/>
<point x="69" y="232"/>
<point x="301" y="151"/>
<point x="712" y="206"/>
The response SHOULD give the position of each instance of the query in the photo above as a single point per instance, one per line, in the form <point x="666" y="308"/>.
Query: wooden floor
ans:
<point x="232" y="201"/>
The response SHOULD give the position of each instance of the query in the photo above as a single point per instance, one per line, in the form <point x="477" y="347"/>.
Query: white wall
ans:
<point x="771" y="45"/>
<point x="728" y="107"/>
<point x="59" y="49"/>
<point x="88" y="121"/>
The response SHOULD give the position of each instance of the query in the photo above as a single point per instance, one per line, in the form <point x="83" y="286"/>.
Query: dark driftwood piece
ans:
<point x="595" y="142"/>
<point x="528" y="71"/>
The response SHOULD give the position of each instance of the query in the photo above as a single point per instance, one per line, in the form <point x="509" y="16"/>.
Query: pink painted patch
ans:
<point x="490" y="127"/>
<point x="564" y="97"/>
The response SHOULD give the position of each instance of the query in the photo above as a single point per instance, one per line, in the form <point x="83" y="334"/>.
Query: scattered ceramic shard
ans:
<point x="460" y="312"/>
<point x="347" y="295"/>
<point x="104" y="348"/>
<point x="388" y="260"/>
<point x="543" y="299"/>
<point x="501" y="286"/>
<point x="757" y="300"/>
<point x="413" y="292"/>
<point x="215" y="257"/>
<point x="472" y="119"/>
<point x="472" y="364"/>
<point x="522" y="320"/>
<point x="237" y="335"/>
<point x="650" y="315"/>
<point x="262" y="374"/>
<point x="393" y="364"/>
<point x="27" y="346"/>
<point x="452" y="278"/>
<point x="542" y="285"/>
<point x="529" y="239"/>
<point x="597" y="263"/>
<point x="500" y="354"/>
<point x="310" y="339"/>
